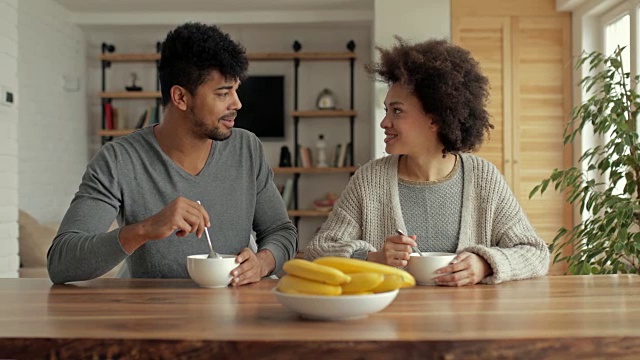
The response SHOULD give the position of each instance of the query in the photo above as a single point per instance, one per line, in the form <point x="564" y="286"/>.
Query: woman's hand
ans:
<point x="395" y="251"/>
<point x="465" y="269"/>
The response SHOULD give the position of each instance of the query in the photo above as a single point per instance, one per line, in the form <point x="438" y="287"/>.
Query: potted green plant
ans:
<point x="606" y="182"/>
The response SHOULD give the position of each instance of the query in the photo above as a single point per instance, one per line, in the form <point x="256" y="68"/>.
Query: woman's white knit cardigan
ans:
<point x="492" y="224"/>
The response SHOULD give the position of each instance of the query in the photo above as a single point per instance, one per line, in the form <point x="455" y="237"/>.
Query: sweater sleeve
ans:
<point x="517" y="252"/>
<point x="340" y="233"/>
<point x="82" y="249"/>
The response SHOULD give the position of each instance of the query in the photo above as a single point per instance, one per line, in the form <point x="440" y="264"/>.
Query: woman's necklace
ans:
<point x="436" y="181"/>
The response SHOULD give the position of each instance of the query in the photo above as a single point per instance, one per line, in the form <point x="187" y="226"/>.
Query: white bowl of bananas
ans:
<point x="335" y="288"/>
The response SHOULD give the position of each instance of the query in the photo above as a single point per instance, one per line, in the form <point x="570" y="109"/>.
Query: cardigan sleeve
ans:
<point x="516" y="251"/>
<point x="339" y="233"/>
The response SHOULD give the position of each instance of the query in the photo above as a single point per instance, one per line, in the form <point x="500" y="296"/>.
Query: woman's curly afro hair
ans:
<point x="448" y="82"/>
<point x="191" y="51"/>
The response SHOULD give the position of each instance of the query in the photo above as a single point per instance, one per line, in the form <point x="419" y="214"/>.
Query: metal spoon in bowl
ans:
<point x="212" y="254"/>
<point x="415" y="249"/>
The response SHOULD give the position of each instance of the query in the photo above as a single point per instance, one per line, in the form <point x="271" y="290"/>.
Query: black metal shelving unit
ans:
<point x="297" y="47"/>
<point x="108" y="57"/>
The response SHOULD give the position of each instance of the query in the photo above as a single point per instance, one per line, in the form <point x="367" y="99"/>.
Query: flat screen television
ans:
<point x="262" y="111"/>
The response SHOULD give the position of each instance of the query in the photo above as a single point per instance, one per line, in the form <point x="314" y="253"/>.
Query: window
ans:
<point x="618" y="33"/>
<point x="619" y="27"/>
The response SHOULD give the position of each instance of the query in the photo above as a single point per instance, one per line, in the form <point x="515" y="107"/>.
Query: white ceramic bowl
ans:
<point x="423" y="267"/>
<point x="343" y="307"/>
<point x="211" y="273"/>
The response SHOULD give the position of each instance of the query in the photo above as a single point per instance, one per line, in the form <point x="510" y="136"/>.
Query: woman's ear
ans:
<point x="432" y="125"/>
<point x="180" y="97"/>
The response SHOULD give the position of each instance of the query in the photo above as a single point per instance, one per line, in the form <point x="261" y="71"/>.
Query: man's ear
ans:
<point x="180" y="97"/>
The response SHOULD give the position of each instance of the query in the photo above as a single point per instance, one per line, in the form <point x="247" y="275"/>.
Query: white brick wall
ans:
<point x="9" y="259"/>
<point x="52" y="124"/>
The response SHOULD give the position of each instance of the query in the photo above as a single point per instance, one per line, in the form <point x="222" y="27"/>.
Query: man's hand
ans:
<point x="465" y="269"/>
<point x="253" y="267"/>
<point x="181" y="216"/>
<point x="396" y="251"/>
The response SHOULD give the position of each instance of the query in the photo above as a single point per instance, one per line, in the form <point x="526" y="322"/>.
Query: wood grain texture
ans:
<point x="324" y="113"/>
<point x="503" y="7"/>
<point x="143" y="57"/>
<point x="312" y="56"/>
<point x="488" y="40"/>
<point x="541" y="60"/>
<point x="551" y="317"/>
<point x="524" y="49"/>
<point x="130" y="95"/>
<point x="308" y="213"/>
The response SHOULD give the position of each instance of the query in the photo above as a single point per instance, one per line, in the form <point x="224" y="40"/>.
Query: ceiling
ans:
<point x="78" y="6"/>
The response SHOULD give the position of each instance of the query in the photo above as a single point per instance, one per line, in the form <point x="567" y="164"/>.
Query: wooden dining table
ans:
<point x="568" y="317"/>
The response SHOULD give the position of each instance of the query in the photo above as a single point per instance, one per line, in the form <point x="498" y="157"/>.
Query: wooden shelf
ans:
<point x="271" y="56"/>
<point x="130" y="95"/>
<point x="324" y="113"/>
<point x="148" y="57"/>
<point x="317" y="56"/>
<point x="115" y="132"/>
<point x="328" y="56"/>
<point x="314" y="170"/>
<point x="308" y="213"/>
<point x="268" y="56"/>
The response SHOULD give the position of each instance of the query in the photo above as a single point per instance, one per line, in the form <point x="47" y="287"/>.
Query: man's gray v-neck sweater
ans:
<point x="132" y="179"/>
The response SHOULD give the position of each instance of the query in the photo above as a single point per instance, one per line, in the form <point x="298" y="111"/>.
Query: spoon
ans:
<point x="415" y="249"/>
<point x="212" y="254"/>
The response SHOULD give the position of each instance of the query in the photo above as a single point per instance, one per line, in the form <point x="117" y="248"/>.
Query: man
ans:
<point x="152" y="179"/>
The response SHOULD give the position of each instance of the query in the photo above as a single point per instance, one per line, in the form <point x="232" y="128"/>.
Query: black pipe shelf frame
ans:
<point x="109" y="56"/>
<point x="350" y="56"/>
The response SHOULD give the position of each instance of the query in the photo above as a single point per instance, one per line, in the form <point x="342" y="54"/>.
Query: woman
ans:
<point x="430" y="186"/>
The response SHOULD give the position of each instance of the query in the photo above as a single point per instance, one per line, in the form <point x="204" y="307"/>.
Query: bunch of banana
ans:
<point x="352" y="266"/>
<point x="305" y="277"/>
<point x="336" y="276"/>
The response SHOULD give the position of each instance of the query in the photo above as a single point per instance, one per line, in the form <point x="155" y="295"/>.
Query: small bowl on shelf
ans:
<point x="326" y="203"/>
<point x="334" y="308"/>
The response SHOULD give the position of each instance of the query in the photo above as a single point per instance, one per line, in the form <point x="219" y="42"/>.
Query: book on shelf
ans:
<point x="108" y="116"/>
<point x="143" y="120"/>
<point x="287" y="192"/>
<point x="115" y="112"/>
<point x="343" y="154"/>
<point x="156" y="112"/>
<point x="347" y="157"/>
<point x="336" y="155"/>
<point x="306" y="158"/>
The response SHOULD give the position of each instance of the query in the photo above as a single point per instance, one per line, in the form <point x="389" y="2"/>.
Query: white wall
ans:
<point x="414" y="21"/>
<point x="52" y="126"/>
<point x="52" y="47"/>
<point x="313" y="77"/>
<point x="9" y="259"/>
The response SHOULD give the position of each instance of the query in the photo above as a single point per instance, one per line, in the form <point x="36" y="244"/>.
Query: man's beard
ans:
<point x="216" y="133"/>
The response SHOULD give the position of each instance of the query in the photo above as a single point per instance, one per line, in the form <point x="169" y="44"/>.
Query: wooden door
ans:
<point x="541" y="84"/>
<point x="489" y="40"/>
<point x="524" y="48"/>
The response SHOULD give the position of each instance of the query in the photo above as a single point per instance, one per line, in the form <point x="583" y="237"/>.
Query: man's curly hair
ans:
<point x="191" y="51"/>
<point x="448" y="82"/>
